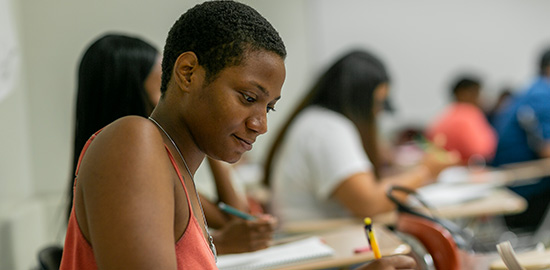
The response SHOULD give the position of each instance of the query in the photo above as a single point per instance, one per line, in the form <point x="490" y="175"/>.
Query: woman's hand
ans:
<point x="399" y="262"/>
<point x="240" y="235"/>
<point x="436" y="158"/>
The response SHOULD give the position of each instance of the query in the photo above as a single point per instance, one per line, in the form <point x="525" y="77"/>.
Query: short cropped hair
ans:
<point x="464" y="82"/>
<point x="220" y="33"/>
<point x="544" y="62"/>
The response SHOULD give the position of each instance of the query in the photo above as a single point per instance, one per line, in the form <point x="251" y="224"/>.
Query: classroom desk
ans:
<point x="344" y="240"/>
<point x="526" y="170"/>
<point x="501" y="201"/>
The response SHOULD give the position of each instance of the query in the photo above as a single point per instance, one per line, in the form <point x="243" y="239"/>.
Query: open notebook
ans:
<point x="305" y="249"/>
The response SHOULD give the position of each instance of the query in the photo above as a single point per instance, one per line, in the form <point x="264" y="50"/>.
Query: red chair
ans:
<point x="438" y="236"/>
<point x="437" y="240"/>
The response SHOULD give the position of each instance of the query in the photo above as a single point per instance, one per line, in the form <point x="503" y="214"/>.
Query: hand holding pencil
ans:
<point x="245" y="233"/>
<point x="400" y="262"/>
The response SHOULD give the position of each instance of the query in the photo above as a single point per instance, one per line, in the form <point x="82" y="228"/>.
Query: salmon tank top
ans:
<point x="192" y="249"/>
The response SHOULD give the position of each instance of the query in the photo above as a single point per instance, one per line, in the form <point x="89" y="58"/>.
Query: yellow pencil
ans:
<point x="369" y="230"/>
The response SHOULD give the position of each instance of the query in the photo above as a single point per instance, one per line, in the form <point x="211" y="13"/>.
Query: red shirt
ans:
<point x="466" y="130"/>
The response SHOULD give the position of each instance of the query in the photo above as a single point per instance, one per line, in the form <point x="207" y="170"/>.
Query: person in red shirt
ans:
<point x="463" y="127"/>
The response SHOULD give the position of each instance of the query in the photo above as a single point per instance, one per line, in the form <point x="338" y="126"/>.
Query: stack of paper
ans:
<point x="441" y="194"/>
<point x="274" y="256"/>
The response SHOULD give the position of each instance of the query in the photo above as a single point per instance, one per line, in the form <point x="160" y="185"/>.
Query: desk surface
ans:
<point x="347" y="238"/>
<point x="501" y="201"/>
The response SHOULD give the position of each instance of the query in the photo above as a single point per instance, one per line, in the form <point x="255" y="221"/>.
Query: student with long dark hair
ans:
<point x="324" y="163"/>
<point x="118" y="75"/>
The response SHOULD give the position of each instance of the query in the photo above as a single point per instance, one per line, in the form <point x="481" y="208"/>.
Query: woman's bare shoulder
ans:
<point x="126" y="148"/>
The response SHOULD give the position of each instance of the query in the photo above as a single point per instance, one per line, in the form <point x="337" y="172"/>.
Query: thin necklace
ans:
<point x="211" y="244"/>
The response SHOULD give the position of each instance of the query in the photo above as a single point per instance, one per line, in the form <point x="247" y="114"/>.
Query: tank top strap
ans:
<point x="84" y="150"/>
<point x="173" y="161"/>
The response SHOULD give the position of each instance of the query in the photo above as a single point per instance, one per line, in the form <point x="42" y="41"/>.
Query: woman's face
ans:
<point x="380" y="96"/>
<point x="231" y="111"/>
<point x="153" y="81"/>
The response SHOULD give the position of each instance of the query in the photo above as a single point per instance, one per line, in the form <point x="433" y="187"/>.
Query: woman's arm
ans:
<point x="365" y="196"/>
<point x="224" y="186"/>
<point x="125" y="198"/>
<point x="221" y="174"/>
<point x="234" y="235"/>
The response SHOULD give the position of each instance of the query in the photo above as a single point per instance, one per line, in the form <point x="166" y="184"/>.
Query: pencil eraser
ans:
<point x="362" y="249"/>
<point x="368" y="221"/>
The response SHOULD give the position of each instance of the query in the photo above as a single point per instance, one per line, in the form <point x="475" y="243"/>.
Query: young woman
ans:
<point x="324" y="162"/>
<point x="120" y="75"/>
<point x="135" y="202"/>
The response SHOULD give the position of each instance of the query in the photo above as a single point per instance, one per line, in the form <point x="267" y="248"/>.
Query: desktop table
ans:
<point x="347" y="238"/>
<point x="500" y="201"/>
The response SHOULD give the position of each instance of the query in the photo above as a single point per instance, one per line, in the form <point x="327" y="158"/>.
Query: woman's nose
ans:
<point x="258" y="123"/>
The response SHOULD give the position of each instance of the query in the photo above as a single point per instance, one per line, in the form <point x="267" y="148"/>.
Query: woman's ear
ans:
<point x="185" y="67"/>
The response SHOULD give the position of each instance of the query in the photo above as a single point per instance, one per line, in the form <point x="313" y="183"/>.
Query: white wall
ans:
<point x="422" y="42"/>
<point x="16" y="187"/>
<point x="425" y="42"/>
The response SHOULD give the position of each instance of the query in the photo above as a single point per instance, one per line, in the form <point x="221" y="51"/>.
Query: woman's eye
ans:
<point x="271" y="108"/>
<point x="249" y="98"/>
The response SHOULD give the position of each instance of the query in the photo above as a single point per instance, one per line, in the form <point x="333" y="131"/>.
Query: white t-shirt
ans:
<point x="321" y="149"/>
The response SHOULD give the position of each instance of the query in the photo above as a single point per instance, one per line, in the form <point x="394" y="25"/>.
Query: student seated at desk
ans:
<point x="134" y="196"/>
<point x="323" y="163"/>
<point x="524" y="135"/>
<point x="464" y="125"/>
<point x="120" y="75"/>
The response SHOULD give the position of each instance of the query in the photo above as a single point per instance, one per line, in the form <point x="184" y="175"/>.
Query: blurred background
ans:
<point x="424" y="44"/>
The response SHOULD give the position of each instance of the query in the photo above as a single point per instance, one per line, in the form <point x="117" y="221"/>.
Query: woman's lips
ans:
<point x="246" y="144"/>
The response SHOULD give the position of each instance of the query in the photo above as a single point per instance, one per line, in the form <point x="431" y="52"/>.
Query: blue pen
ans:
<point x="233" y="211"/>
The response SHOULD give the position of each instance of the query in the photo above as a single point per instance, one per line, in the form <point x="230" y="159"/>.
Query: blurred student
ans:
<point x="500" y="105"/>
<point x="524" y="134"/>
<point x="463" y="124"/>
<point x="120" y="75"/>
<point x="324" y="161"/>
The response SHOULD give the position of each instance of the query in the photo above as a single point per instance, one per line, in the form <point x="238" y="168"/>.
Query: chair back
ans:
<point x="49" y="258"/>
<point x="437" y="240"/>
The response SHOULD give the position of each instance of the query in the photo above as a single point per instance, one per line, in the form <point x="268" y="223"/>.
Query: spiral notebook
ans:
<point x="301" y="250"/>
